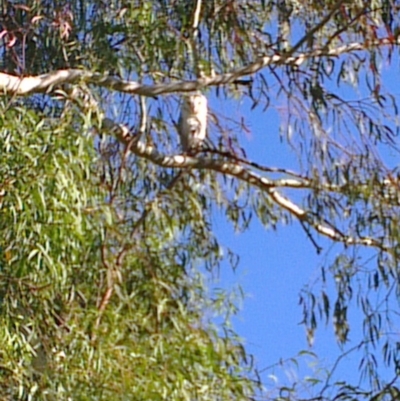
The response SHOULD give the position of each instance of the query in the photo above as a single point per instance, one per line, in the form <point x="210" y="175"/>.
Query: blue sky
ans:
<point x="275" y="265"/>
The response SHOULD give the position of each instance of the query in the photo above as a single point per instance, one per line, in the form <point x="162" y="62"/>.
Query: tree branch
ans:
<point x="46" y="83"/>
<point x="192" y="41"/>
<point x="317" y="27"/>
<point x="234" y="169"/>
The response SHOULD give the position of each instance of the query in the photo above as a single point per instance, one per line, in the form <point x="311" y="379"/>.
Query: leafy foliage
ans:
<point x="101" y="251"/>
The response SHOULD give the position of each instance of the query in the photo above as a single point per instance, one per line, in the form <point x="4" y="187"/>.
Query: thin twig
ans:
<point x="317" y="27"/>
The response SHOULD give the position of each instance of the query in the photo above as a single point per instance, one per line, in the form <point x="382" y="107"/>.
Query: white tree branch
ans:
<point x="245" y="174"/>
<point x="23" y="86"/>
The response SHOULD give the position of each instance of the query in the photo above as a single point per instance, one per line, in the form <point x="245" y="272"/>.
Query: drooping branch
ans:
<point x="47" y="83"/>
<point x="243" y="173"/>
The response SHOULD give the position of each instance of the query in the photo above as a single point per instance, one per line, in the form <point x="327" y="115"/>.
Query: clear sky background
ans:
<point x="276" y="265"/>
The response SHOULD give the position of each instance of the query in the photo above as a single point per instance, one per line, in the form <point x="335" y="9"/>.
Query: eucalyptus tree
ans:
<point x="106" y="226"/>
